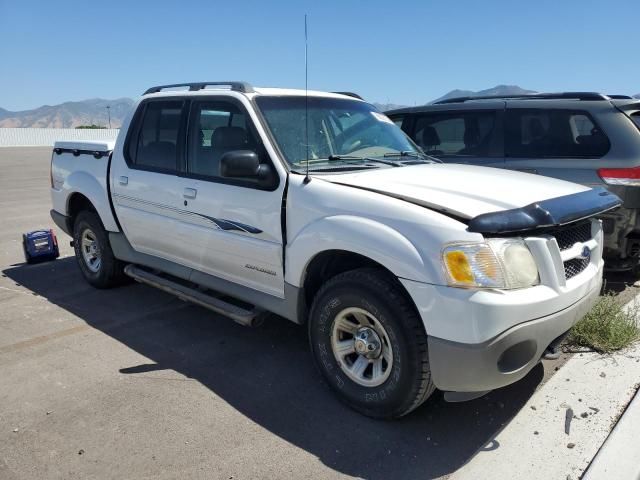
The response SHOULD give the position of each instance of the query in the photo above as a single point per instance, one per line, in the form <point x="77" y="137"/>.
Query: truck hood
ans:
<point x="463" y="191"/>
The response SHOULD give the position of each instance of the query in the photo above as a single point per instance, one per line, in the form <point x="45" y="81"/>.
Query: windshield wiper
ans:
<point x="333" y="158"/>
<point x="366" y="159"/>
<point x="338" y="167"/>
<point x="403" y="153"/>
<point x="409" y="153"/>
<point x="349" y="160"/>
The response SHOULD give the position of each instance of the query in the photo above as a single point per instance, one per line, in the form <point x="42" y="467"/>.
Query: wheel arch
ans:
<point x="78" y="202"/>
<point x="88" y="192"/>
<point x="361" y="236"/>
<point x="330" y="263"/>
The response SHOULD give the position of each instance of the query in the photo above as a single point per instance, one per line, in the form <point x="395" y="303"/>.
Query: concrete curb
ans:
<point x="562" y="427"/>
<point x="619" y="457"/>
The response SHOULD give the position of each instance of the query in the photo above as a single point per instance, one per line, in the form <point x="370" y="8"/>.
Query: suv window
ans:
<point x="156" y="145"/>
<point x="398" y="121"/>
<point x="464" y="133"/>
<point x="553" y="133"/>
<point x="215" y="128"/>
<point x="636" y="118"/>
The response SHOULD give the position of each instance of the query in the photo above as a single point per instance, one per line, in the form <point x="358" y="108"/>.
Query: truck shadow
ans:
<point x="267" y="374"/>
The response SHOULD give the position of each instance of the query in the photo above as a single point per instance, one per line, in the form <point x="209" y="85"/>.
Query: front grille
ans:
<point x="574" y="266"/>
<point x="567" y="237"/>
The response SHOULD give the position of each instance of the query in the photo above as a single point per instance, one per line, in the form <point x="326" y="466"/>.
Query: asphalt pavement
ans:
<point x="134" y="383"/>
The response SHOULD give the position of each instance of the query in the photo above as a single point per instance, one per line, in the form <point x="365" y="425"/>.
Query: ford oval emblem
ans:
<point x="586" y="252"/>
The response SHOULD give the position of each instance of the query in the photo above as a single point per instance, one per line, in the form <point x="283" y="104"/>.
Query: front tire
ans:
<point x="93" y="252"/>
<point x="369" y="343"/>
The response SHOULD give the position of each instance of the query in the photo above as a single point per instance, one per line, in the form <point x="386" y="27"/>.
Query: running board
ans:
<point x="248" y="318"/>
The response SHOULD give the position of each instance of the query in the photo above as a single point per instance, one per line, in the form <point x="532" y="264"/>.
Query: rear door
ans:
<point x="460" y="136"/>
<point x="146" y="188"/>
<point x="555" y="142"/>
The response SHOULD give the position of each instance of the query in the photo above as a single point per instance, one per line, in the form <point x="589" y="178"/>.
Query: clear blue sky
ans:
<point x="398" y="51"/>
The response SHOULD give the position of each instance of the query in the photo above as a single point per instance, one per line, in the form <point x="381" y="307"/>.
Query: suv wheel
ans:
<point x="369" y="344"/>
<point x="93" y="252"/>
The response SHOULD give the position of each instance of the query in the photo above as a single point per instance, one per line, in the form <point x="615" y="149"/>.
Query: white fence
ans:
<point x="45" y="137"/>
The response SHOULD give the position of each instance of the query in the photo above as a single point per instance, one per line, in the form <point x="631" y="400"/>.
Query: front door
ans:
<point x="234" y="228"/>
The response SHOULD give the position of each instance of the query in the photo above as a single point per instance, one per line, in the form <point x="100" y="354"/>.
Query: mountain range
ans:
<point x="70" y="114"/>
<point x="95" y="112"/>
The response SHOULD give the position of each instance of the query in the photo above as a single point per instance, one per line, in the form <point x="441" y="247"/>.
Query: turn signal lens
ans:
<point x="458" y="266"/>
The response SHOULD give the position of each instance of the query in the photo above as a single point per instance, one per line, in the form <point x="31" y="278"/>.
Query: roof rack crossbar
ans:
<point x="243" y="87"/>
<point x="350" y="94"/>
<point x="531" y="96"/>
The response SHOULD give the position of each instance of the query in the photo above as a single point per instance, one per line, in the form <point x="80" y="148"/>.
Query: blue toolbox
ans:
<point x="40" y="246"/>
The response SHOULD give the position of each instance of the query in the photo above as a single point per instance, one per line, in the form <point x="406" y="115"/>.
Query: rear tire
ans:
<point x="369" y="343"/>
<point x="93" y="252"/>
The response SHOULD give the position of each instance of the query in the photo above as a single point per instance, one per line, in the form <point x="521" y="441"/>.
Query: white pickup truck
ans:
<point x="410" y="274"/>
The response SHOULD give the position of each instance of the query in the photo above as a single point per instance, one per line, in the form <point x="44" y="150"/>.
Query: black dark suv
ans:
<point x="582" y="137"/>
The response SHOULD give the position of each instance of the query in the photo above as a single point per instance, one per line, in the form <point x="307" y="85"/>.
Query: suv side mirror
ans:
<point x="245" y="164"/>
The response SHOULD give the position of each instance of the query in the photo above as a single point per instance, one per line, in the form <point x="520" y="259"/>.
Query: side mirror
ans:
<point x="245" y="164"/>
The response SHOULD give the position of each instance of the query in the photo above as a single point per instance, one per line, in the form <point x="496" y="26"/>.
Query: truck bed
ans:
<point x="82" y="167"/>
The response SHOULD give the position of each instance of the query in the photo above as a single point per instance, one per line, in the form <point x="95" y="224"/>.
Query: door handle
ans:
<point x="189" y="193"/>
<point x="123" y="180"/>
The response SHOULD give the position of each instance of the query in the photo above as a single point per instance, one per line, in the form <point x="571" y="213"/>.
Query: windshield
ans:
<point x="341" y="131"/>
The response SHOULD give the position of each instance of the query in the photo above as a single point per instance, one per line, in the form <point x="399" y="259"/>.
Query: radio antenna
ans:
<point x="307" y="179"/>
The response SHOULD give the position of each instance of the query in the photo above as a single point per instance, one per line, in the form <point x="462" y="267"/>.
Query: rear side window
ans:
<point x="463" y="133"/>
<point x="155" y="143"/>
<point x="554" y="133"/>
<point x="636" y="118"/>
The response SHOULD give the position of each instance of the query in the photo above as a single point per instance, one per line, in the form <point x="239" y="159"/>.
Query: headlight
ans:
<point x="496" y="263"/>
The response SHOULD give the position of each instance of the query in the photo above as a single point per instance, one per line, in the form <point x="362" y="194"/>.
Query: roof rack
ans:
<point x="620" y="97"/>
<point x="532" y="96"/>
<point x="243" y="87"/>
<point x="350" y="94"/>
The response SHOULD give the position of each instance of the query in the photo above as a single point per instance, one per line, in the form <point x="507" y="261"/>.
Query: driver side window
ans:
<point x="216" y="128"/>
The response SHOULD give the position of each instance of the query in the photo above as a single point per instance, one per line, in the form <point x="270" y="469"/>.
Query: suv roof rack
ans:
<point x="620" y="97"/>
<point x="532" y="96"/>
<point x="350" y="94"/>
<point x="243" y="87"/>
